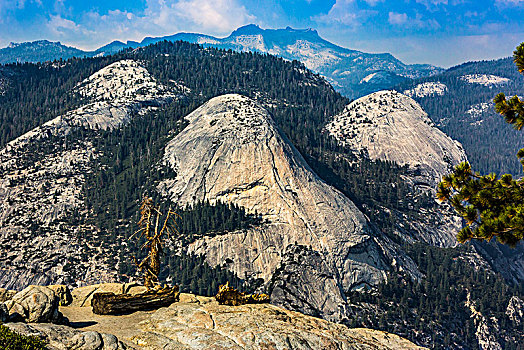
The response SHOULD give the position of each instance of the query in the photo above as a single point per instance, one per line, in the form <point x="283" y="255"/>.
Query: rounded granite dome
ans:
<point x="388" y="125"/>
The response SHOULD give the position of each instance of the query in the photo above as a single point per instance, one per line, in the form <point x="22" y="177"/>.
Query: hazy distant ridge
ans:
<point x="351" y="72"/>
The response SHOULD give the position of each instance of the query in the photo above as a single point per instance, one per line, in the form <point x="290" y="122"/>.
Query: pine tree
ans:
<point x="491" y="206"/>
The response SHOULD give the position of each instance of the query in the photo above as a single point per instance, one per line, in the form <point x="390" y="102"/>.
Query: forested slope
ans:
<point x="465" y="111"/>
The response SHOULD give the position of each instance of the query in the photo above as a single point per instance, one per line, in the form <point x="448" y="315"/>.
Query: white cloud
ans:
<point x="218" y="15"/>
<point x="510" y="2"/>
<point x="63" y="27"/>
<point x="397" y="18"/>
<point x="402" y="19"/>
<point x="373" y="2"/>
<point x="160" y="17"/>
<point x="432" y="3"/>
<point x="346" y="13"/>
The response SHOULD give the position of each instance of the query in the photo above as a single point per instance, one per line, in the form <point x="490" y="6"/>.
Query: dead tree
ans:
<point x="230" y="296"/>
<point x="150" y="218"/>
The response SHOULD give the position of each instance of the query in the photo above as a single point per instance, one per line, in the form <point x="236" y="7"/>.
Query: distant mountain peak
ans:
<point x="307" y="30"/>
<point x="249" y="29"/>
<point x="351" y="72"/>
<point x="34" y="43"/>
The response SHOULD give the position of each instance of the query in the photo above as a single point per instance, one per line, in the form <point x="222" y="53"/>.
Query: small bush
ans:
<point x="10" y="340"/>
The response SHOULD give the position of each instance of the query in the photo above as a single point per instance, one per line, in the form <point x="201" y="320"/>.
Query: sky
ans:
<point x="440" y="32"/>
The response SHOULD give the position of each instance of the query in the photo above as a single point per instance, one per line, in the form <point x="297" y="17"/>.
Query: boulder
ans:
<point x="35" y="304"/>
<point x="60" y="337"/>
<point x="6" y="294"/>
<point x="63" y="293"/>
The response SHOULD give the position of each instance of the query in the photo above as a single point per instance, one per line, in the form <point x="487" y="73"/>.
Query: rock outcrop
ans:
<point x="193" y="322"/>
<point x="231" y="151"/>
<point x="200" y="323"/>
<point x="35" y="304"/>
<point x="515" y="310"/>
<point x="60" y="337"/>
<point x="387" y="125"/>
<point x="485" y="328"/>
<point x="390" y="126"/>
<point x="197" y="322"/>
<point x="42" y="174"/>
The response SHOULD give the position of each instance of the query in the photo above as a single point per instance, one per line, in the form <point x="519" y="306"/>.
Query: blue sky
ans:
<point x="441" y="32"/>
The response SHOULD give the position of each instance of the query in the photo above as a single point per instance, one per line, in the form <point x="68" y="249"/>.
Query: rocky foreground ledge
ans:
<point x="194" y="322"/>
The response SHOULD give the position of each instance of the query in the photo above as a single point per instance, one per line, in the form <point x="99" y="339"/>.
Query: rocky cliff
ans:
<point x="231" y="151"/>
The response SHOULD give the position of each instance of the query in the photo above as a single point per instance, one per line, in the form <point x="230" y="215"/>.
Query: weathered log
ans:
<point x="120" y="304"/>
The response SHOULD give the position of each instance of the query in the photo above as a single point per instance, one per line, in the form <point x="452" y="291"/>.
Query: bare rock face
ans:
<point x="231" y="151"/>
<point x="515" y="310"/>
<point x="301" y="271"/>
<point x="41" y="179"/>
<point x="35" y="304"/>
<point x="485" y="328"/>
<point x="387" y="125"/>
<point x="64" y="338"/>
<point x="390" y="126"/>
<point x="200" y="323"/>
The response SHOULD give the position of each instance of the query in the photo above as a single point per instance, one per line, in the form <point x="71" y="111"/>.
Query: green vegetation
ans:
<point x="491" y="206"/>
<point x="372" y="185"/>
<point x="488" y="142"/>
<point x="10" y="340"/>
<point x="433" y="312"/>
<point x="37" y="93"/>
<point x="129" y="164"/>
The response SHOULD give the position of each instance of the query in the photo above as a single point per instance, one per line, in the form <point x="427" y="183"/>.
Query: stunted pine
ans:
<point x="492" y="206"/>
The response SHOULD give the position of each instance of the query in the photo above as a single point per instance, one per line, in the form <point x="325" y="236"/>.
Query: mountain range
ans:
<point x="351" y="72"/>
